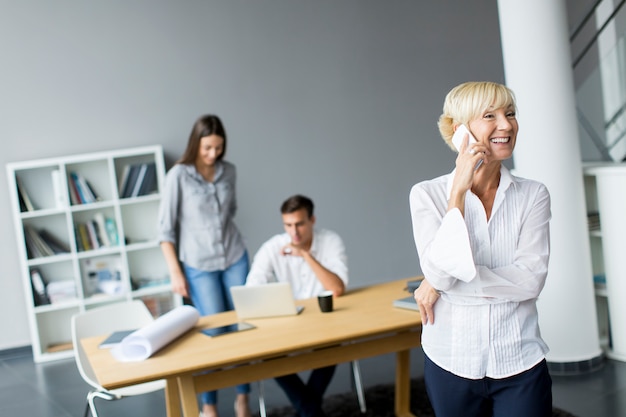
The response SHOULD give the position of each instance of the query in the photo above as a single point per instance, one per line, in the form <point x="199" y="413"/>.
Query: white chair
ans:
<point x="355" y="370"/>
<point x="100" y="321"/>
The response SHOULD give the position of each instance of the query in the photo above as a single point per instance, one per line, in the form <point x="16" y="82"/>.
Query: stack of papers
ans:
<point x="61" y="291"/>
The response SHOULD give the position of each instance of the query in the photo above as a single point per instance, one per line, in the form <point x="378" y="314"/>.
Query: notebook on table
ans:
<point x="406" y="302"/>
<point x="266" y="300"/>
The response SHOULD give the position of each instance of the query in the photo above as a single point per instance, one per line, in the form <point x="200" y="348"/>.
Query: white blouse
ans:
<point x="489" y="273"/>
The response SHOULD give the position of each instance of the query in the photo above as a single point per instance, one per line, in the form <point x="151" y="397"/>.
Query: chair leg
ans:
<point x="262" y="399"/>
<point x="356" y="373"/>
<point x="91" y="406"/>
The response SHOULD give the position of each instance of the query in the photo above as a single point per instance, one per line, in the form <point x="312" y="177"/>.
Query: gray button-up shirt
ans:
<point x="197" y="217"/>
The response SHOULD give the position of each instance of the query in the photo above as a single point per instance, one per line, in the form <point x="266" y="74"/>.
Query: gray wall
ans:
<point x="334" y="99"/>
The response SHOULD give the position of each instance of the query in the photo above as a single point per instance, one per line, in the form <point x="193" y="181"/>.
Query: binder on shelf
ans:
<point x="39" y="284"/>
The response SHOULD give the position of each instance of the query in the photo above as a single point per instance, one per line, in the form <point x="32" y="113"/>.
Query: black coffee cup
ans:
<point x="325" y="300"/>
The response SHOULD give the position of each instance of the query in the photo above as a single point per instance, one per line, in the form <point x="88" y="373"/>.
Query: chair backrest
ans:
<point x="103" y="320"/>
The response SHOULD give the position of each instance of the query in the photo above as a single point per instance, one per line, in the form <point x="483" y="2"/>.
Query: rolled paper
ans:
<point x="144" y="342"/>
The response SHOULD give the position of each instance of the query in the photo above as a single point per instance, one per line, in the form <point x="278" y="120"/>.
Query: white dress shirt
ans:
<point x="489" y="273"/>
<point x="270" y="265"/>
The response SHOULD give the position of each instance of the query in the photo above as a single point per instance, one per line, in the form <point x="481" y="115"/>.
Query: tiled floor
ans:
<point x="55" y="389"/>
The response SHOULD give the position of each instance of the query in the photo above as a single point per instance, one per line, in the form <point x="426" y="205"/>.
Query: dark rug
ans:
<point x="380" y="403"/>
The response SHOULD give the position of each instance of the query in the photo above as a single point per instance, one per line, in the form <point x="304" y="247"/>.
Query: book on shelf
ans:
<point x="74" y="196"/>
<point x="25" y="202"/>
<point x="39" y="286"/>
<point x="131" y="178"/>
<point x="149" y="183"/>
<point x="32" y="247"/>
<point x="101" y="229"/>
<point x="80" y="193"/>
<point x="83" y="190"/>
<point x="82" y="237"/>
<point x="141" y="174"/>
<point x="123" y="181"/>
<point x="138" y="180"/>
<point x="55" y="244"/>
<point x="99" y="232"/>
<point x="42" y="243"/>
<point x="58" y="188"/>
<point x="90" y="190"/>
<point x="94" y="241"/>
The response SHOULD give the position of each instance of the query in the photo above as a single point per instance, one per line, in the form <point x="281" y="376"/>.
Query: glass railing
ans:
<point x="601" y="101"/>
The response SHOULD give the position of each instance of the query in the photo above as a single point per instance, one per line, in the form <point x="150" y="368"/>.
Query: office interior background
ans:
<point x="335" y="100"/>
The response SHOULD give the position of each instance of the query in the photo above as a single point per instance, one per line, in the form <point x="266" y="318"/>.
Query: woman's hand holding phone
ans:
<point x="459" y="139"/>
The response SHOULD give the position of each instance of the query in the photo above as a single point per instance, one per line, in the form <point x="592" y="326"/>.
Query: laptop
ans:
<point x="265" y="300"/>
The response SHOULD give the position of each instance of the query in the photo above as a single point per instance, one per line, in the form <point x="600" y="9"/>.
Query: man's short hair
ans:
<point x="295" y="203"/>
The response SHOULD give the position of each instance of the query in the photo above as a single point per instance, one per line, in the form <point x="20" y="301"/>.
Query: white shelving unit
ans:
<point x="85" y="275"/>
<point x="605" y="190"/>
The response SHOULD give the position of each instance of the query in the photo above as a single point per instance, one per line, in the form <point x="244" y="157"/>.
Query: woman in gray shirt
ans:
<point x="202" y="246"/>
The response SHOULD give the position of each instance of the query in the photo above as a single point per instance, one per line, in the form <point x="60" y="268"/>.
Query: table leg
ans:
<point x="403" y="384"/>
<point x="187" y="392"/>
<point x="172" y="399"/>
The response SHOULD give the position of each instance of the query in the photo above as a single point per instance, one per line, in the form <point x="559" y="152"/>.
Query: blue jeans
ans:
<point x="526" y="394"/>
<point x="210" y="293"/>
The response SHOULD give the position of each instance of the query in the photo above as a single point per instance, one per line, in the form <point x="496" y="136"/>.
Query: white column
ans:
<point x="537" y="66"/>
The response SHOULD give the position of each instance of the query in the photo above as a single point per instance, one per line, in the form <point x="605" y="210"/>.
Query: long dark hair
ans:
<point x="206" y="125"/>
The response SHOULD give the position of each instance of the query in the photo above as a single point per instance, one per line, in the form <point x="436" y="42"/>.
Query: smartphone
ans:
<point x="230" y="328"/>
<point x="459" y="136"/>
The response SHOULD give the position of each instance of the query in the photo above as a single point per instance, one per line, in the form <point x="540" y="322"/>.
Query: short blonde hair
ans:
<point x="470" y="100"/>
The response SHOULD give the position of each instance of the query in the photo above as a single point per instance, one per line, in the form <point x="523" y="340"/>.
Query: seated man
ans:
<point x="311" y="260"/>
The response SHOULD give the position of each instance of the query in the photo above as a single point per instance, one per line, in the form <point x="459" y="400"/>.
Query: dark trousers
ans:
<point x="522" y="395"/>
<point x="307" y="398"/>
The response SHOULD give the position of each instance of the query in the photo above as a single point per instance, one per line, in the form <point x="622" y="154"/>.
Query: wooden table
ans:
<point x="363" y="324"/>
